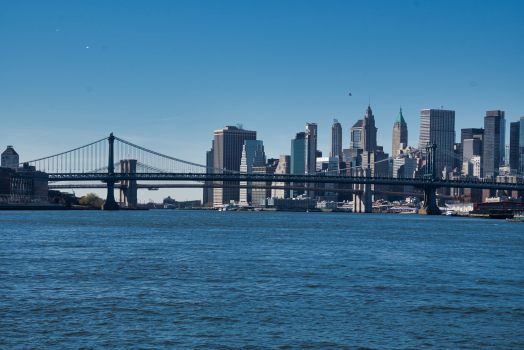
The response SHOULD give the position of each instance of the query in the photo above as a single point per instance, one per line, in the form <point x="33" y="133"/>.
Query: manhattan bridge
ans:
<point x="113" y="161"/>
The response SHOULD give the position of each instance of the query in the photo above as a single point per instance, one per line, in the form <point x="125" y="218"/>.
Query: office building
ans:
<point x="336" y="140"/>
<point x="10" y="158"/>
<point x="438" y="126"/>
<point x="208" y="191"/>
<point x="470" y="148"/>
<point x="356" y="135"/>
<point x="311" y="148"/>
<point x="369" y="132"/>
<point x="283" y="167"/>
<point x="228" y="147"/>
<point x="259" y="195"/>
<point x="521" y="147"/>
<point x="404" y="168"/>
<point x="506" y="155"/>
<point x="298" y="160"/>
<point x="494" y="142"/>
<point x="252" y="155"/>
<point x="400" y="134"/>
<point x="311" y="153"/>
<point x="514" y="138"/>
<point x="327" y="164"/>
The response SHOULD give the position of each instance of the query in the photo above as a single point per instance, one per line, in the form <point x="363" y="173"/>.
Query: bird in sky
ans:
<point x="350" y="94"/>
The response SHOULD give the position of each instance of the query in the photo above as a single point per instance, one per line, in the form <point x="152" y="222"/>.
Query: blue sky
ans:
<point x="165" y="74"/>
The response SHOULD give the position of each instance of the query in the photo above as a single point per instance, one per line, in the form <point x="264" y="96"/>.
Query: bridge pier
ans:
<point x="362" y="202"/>
<point x="430" y="202"/>
<point x="128" y="188"/>
<point x="110" y="203"/>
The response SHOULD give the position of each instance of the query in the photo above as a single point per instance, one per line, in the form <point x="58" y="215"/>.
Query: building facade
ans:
<point x="298" y="159"/>
<point x="514" y="139"/>
<point x="252" y="155"/>
<point x="10" y="158"/>
<point x="283" y="167"/>
<point x="258" y="195"/>
<point x="438" y="126"/>
<point x="356" y="135"/>
<point x="208" y="191"/>
<point x="521" y="147"/>
<point x="228" y="146"/>
<point x="400" y="134"/>
<point x="311" y="153"/>
<point x="336" y="140"/>
<point x="494" y="142"/>
<point x="369" y="132"/>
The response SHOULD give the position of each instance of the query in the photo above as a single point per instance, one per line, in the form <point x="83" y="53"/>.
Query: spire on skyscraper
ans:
<point x="400" y="118"/>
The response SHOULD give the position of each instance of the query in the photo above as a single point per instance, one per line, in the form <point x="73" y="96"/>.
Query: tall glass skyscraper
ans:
<point x="514" y="140"/>
<point x="494" y="142"/>
<point x="438" y="126"/>
<point x="336" y="140"/>
<point x="521" y="146"/>
<point x="298" y="158"/>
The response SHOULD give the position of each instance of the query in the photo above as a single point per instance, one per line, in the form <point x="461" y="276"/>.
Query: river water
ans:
<point x="169" y="279"/>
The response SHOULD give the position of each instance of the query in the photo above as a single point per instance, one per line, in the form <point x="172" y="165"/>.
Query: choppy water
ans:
<point x="259" y="280"/>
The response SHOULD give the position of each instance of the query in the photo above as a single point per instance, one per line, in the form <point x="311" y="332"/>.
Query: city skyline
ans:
<point x="166" y="75"/>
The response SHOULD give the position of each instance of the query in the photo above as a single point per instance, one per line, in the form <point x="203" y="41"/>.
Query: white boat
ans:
<point x="449" y="212"/>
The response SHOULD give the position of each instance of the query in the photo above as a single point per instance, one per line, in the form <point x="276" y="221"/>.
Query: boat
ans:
<point x="517" y="218"/>
<point x="449" y="212"/>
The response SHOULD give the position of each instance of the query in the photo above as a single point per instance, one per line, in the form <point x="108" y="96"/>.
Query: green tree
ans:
<point x="91" y="200"/>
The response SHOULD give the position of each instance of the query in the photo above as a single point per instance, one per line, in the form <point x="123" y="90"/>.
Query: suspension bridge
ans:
<point x="113" y="160"/>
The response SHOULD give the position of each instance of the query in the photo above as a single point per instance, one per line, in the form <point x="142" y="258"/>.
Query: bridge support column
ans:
<point x="110" y="203"/>
<point x="362" y="202"/>
<point x="128" y="189"/>
<point x="430" y="202"/>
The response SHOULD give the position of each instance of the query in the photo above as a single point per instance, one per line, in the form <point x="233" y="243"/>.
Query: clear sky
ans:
<point x="165" y="74"/>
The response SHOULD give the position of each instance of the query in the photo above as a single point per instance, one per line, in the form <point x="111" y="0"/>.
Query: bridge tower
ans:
<point x="430" y="192"/>
<point x="362" y="202"/>
<point x="110" y="203"/>
<point x="128" y="188"/>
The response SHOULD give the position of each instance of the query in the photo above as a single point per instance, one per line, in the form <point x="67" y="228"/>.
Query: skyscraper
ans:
<point x="471" y="133"/>
<point x="356" y="135"/>
<point x="438" y="126"/>
<point x="228" y="146"/>
<point x="514" y="139"/>
<point x="336" y="140"/>
<point x="311" y="148"/>
<point x="521" y="147"/>
<point x="494" y="142"/>
<point x="311" y="153"/>
<point x="400" y="134"/>
<point x="369" y="132"/>
<point x="252" y="155"/>
<point x="298" y="158"/>
<point x="283" y="167"/>
<point x="208" y="191"/>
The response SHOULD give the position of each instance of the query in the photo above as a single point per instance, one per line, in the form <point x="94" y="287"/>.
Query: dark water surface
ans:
<point x="259" y="280"/>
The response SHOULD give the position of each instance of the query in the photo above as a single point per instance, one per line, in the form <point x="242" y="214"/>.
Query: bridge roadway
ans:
<point x="298" y="178"/>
